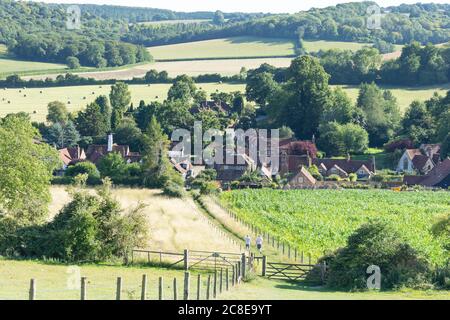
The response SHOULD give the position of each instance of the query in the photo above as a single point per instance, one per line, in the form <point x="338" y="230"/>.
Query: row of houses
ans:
<point x="423" y="166"/>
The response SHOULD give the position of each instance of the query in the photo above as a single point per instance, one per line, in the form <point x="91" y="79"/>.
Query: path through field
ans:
<point x="175" y="224"/>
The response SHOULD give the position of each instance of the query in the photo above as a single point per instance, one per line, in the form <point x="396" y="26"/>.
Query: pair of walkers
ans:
<point x="248" y="241"/>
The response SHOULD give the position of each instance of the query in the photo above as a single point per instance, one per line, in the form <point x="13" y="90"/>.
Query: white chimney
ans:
<point x="110" y="142"/>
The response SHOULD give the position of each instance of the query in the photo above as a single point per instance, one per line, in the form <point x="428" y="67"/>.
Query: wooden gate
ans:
<point x="293" y="271"/>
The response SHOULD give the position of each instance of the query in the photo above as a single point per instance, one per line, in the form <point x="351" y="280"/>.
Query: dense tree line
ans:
<point x="344" y="22"/>
<point x="35" y="31"/>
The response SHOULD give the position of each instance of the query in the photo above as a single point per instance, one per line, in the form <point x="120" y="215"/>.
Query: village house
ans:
<point x="302" y="178"/>
<point x="421" y="160"/>
<point x="71" y="156"/>
<point x="96" y="152"/>
<point x="216" y="106"/>
<point x="438" y="177"/>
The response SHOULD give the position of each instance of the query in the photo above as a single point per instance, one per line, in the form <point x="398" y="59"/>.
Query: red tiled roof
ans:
<point x="71" y="155"/>
<point x="439" y="173"/>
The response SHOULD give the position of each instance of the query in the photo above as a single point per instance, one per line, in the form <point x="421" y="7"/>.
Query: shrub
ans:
<point x="377" y="244"/>
<point x="85" y="168"/>
<point x="334" y="177"/>
<point x="174" y="190"/>
<point x="209" y="187"/>
<point x="352" y="177"/>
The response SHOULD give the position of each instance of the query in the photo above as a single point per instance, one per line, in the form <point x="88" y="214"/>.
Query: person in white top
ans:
<point x="248" y="240"/>
<point x="259" y="242"/>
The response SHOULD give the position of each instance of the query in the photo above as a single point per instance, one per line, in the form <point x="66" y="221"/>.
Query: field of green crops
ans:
<point x="319" y="220"/>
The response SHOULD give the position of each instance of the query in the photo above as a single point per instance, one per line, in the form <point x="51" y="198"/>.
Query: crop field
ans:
<point x="35" y="103"/>
<point x="237" y="47"/>
<point x="54" y="281"/>
<point x="321" y="220"/>
<point x="404" y="95"/>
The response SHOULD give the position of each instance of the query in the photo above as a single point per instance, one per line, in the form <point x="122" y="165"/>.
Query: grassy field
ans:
<point x="175" y="224"/>
<point x="35" y="102"/>
<point x="404" y="95"/>
<point x="53" y="281"/>
<point x="8" y="65"/>
<point x="320" y="220"/>
<point x="237" y="47"/>
<point x="264" y="289"/>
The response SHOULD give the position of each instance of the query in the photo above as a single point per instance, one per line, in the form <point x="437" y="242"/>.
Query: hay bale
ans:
<point x="34" y="112"/>
<point x="24" y="95"/>
<point x="40" y="91"/>
<point x="84" y="98"/>
<point x="9" y="101"/>
<point x="68" y="102"/>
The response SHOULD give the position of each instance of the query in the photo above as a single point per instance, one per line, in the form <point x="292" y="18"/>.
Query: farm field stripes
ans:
<point x="321" y="220"/>
<point x="227" y="67"/>
<point x="225" y="48"/>
<point x="404" y="95"/>
<point x="34" y="102"/>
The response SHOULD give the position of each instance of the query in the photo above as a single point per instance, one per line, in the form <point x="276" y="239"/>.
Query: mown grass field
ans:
<point x="238" y="47"/>
<point x="56" y="281"/>
<point x="35" y="103"/>
<point x="10" y="65"/>
<point x="404" y="95"/>
<point x="264" y="289"/>
<point x="321" y="220"/>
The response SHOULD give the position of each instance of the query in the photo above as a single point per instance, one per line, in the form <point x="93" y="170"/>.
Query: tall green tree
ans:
<point x="26" y="168"/>
<point x="309" y="93"/>
<point x="156" y="167"/>
<point x="120" y="98"/>
<point x="57" y="112"/>
<point x="90" y="122"/>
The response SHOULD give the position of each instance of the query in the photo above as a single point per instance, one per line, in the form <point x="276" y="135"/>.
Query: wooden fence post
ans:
<point x="175" y="289"/>
<point x="160" y="288"/>
<point x="233" y="278"/>
<point x="215" y="284"/>
<point x="83" y="288"/>
<point x="119" y="288"/>
<point x="208" y="286"/>
<point x="186" y="260"/>
<point x="186" y="286"/>
<point x="264" y="261"/>
<point x="243" y="266"/>
<point x="226" y="279"/>
<point x="199" y="282"/>
<point x="144" y="287"/>
<point x="32" y="292"/>
<point x="221" y="281"/>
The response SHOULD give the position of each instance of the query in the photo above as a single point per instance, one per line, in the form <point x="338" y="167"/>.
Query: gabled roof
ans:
<point x="71" y="155"/>
<point x="419" y="161"/>
<point x="339" y="169"/>
<point x="413" y="152"/>
<point x="439" y="173"/>
<point x="349" y="166"/>
<point x="97" y="151"/>
<point x="365" y="169"/>
<point x="305" y="174"/>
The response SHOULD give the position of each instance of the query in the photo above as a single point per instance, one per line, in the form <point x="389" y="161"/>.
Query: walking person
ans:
<point x="248" y="241"/>
<point x="259" y="242"/>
